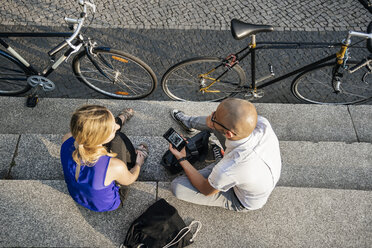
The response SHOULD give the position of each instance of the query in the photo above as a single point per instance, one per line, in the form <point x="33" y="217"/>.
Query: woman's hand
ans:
<point x="142" y="152"/>
<point x="140" y="160"/>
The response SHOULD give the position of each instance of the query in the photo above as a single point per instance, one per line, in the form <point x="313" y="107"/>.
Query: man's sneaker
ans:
<point x="177" y="116"/>
<point x="218" y="152"/>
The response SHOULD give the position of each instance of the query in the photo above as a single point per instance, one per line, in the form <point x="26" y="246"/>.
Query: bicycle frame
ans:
<point x="252" y="47"/>
<point x="77" y="24"/>
<point x="294" y="46"/>
<point x="49" y="69"/>
<point x="283" y="45"/>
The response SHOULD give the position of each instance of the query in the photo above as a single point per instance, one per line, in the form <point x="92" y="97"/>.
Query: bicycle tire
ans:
<point x="126" y="76"/>
<point x="315" y="86"/>
<point x="369" y="41"/>
<point x="189" y="88"/>
<point x="13" y="76"/>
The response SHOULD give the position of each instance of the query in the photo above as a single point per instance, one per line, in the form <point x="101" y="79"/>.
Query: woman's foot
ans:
<point x="125" y="115"/>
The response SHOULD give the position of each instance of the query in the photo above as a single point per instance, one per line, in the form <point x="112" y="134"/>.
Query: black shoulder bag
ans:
<point x="160" y="226"/>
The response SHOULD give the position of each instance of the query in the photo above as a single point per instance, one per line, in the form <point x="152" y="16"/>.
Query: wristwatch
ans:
<point x="181" y="159"/>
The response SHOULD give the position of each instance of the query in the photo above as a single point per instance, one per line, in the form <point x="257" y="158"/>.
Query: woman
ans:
<point x="94" y="158"/>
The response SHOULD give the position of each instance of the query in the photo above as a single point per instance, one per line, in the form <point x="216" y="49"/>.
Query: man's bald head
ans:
<point x="238" y="115"/>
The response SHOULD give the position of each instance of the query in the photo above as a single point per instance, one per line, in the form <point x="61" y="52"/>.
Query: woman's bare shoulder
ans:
<point x="115" y="170"/>
<point x="117" y="165"/>
<point x="66" y="137"/>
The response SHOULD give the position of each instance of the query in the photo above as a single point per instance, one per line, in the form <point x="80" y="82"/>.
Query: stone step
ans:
<point x="296" y="122"/>
<point x="292" y="217"/>
<point x="305" y="164"/>
<point x="40" y="213"/>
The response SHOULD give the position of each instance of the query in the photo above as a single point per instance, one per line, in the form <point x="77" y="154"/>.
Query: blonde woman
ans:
<point x="95" y="155"/>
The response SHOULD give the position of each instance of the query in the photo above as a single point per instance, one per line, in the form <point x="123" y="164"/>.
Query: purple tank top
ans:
<point x="89" y="191"/>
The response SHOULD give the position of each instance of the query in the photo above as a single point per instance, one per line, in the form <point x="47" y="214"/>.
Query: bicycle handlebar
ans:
<point x="79" y="22"/>
<point x="359" y="34"/>
<point x="58" y="48"/>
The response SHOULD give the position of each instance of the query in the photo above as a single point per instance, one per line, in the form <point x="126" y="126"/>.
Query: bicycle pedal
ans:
<point x="32" y="101"/>
<point x="253" y="95"/>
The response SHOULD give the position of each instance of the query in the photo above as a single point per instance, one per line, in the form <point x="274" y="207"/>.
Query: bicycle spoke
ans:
<point x="10" y="69"/>
<point x="324" y="84"/>
<point x="312" y="86"/>
<point x="326" y="74"/>
<point x="13" y="79"/>
<point x="131" y="88"/>
<point x="353" y="94"/>
<point x="182" y="82"/>
<point x="192" y="76"/>
<point x="182" y="78"/>
<point x="118" y="76"/>
<point x="18" y="82"/>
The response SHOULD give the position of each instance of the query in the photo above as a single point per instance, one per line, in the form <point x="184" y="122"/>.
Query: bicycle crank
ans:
<point x="254" y="94"/>
<point x="44" y="83"/>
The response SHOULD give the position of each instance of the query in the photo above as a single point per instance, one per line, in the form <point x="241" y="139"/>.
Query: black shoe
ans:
<point x="218" y="152"/>
<point x="175" y="113"/>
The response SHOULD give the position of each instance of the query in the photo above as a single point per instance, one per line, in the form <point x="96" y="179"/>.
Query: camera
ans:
<point x="175" y="139"/>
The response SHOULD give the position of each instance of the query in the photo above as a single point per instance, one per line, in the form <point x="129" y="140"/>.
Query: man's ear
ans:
<point x="229" y="134"/>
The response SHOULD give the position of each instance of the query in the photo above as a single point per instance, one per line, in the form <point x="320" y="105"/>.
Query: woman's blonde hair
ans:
<point x="91" y="125"/>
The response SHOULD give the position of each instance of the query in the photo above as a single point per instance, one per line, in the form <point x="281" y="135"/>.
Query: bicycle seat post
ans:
<point x="253" y="60"/>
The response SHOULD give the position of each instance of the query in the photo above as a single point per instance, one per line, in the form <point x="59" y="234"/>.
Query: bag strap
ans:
<point x="204" y="143"/>
<point x="77" y="172"/>
<point x="188" y="229"/>
<point x="191" y="146"/>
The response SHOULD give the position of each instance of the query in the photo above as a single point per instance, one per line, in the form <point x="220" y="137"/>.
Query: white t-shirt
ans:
<point x="251" y="166"/>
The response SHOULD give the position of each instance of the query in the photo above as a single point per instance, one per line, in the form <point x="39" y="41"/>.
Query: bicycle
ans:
<point x="111" y="72"/>
<point x="214" y="79"/>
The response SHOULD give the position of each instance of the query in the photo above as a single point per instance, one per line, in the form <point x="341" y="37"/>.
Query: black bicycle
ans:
<point x="111" y="72"/>
<point x="341" y="81"/>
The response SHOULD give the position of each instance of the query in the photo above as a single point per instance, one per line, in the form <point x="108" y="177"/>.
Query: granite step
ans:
<point x="323" y="198"/>
<point x="40" y="213"/>
<point x="291" y="122"/>
<point x="336" y="165"/>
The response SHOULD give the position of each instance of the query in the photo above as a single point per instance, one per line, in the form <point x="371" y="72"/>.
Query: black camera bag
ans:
<point x="196" y="150"/>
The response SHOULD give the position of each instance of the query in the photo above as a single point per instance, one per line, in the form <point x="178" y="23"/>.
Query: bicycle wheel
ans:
<point x="13" y="76"/>
<point x="315" y="86"/>
<point x="115" y="73"/>
<point x="183" y="82"/>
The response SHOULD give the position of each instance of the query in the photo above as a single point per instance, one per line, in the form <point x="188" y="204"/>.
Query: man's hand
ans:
<point x="176" y="153"/>
<point x="196" y="179"/>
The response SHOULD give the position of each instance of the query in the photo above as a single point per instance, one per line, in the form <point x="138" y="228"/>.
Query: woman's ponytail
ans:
<point x="91" y="125"/>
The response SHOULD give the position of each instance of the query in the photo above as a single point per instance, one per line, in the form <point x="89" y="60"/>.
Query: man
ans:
<point x="245" y="177"/>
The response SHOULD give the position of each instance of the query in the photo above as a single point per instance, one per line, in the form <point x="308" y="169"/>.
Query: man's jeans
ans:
<point x="184" y="190"/>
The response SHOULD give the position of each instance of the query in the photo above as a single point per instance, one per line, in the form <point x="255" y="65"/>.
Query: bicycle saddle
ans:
<point x="241" y="30"/>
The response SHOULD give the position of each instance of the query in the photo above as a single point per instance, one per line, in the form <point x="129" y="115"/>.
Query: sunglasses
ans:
<point x="214" y="121"/>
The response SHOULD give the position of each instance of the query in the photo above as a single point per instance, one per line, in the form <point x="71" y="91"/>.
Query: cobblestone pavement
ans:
<point x="189" y="32"/>
<point x="294" y="15"/>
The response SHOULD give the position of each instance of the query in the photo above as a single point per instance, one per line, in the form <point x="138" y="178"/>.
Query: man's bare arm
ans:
<point x="197" y="180"/>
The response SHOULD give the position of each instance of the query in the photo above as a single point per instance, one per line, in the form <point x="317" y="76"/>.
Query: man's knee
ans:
<point x="176" y="187"/>
<point x="180" y="187"/>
